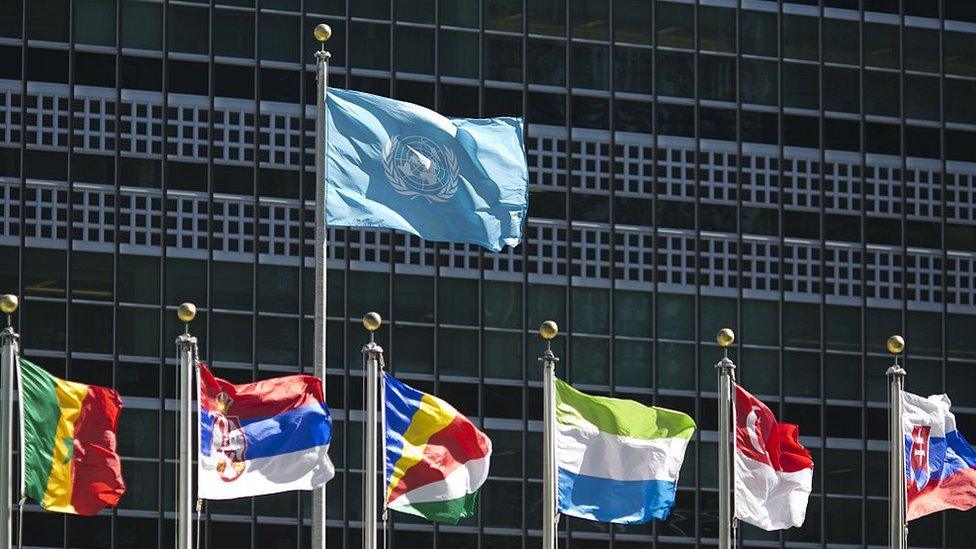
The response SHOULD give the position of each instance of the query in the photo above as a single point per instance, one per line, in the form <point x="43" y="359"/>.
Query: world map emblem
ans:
<point x="228" y="443"/>
<point x="416" y="166"/>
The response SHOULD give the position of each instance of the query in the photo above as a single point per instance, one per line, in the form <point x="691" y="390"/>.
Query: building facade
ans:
<point x="802" y="172"/>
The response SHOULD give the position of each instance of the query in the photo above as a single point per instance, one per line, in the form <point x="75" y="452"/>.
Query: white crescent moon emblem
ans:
<point x="751" y="429"/>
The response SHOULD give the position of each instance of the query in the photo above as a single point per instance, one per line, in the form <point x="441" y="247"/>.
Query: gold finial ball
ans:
<point x="548" y="330"/>
<point x="372" y="321"/>
<point x="186" y="313"/>
<point x="895" y="344"/>
<point x="322" y="32"/>
<point x="725" y="337"/>
<point x="9" y="303"/>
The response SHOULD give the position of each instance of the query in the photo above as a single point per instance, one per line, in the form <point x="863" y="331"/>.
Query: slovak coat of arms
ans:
<point x="228" y="443"/>
<point x="416" y="166"/>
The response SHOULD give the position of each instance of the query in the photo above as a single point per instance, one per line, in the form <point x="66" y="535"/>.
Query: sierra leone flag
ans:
<point x="70" y="461"/>
<point x="618" y="460"/>
<point x="436" y="459"/>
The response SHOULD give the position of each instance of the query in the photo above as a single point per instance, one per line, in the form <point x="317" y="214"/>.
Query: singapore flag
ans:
<point x="773" y="473"/>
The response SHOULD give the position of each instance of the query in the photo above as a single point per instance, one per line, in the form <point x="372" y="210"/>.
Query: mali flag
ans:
<point x="70" y="463"/>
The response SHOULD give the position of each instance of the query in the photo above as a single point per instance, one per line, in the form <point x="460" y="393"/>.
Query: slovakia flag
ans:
<point x="262" y="438"/>
<point x="939" y="463"/>
<point x="773" y="473"/>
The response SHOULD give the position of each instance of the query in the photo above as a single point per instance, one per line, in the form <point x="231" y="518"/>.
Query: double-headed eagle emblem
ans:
<point x="418" y="167"/>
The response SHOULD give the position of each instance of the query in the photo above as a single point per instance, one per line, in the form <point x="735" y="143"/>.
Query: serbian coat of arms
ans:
<point x="228" y="443"/>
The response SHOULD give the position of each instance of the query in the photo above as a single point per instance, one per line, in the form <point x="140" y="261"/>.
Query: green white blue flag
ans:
<point x="617" y="460"/>
<point x="400" y="166"/>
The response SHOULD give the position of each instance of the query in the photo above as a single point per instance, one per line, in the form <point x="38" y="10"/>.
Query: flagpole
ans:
<point x="373" y="358"/>
<point x="550" y="516"/>
<point x="8" y="361"/>
<point x="898" y="527"/>
<point x="322" y="34"/>
<point x="726" y="376"/>
<point x="186" y="347"/>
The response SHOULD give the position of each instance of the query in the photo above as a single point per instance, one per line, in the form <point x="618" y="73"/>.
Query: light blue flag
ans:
<point x="400" y="166"/>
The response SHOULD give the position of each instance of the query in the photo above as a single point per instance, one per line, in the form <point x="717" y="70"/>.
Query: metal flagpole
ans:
<point x="186" y="347"/>
<point x="8" y="361"/>
<point x="373" y="358"/>
<point x="550" y="516"/>
<point x="898" y="527"/>
<point x="322" y="34"/>
<point x="726" y="376"/>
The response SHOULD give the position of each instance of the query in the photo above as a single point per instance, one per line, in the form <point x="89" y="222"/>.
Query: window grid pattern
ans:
<point x="634" y="165"/>
<point x="10" y="113"/>
<point x="882" y="191"/>
<point x="760" y="267"/>
<point x="717" y="177"/>
<point x="186" y="131"/>
<point x="590" y="253"/>
<point x="718" y="265"/>
<point x="676" y="171"/>
<point x="883" y="275"/>
<point x="801" y="270"/>
<point x="280" y="135"/>
<point x="923" y="194"/>
<point x="801" y="183"/>
<point x="842" y="275"/>
<point x="633" y="260"/>
<point x="546" y="154"/>
<point x="961" y="281"/>
<point x="10" y="208"/>
<point x="142" y="123"/>
<point x="94" y="122"/>
<point x="47" y="117"/>
<point x="591" y="160"/>
<point x="842" y="187"/>
<point x="760" y="178"/>
<point x="93" y="216"/>
<point x="676" y="265"/>
<point x="961" y="198"/>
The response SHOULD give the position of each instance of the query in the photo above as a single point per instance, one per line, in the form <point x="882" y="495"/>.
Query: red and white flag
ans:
<point x="773" y="473"/>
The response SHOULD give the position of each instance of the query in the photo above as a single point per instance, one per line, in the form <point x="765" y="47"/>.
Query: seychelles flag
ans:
<point x="70" y="461"/>
<point x="436" y="459"/>
<point x="940" y="465"/>
<point x="261" y="438"/>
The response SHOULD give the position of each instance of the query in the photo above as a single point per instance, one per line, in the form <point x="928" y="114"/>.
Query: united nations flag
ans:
<point x="400" y="166"/>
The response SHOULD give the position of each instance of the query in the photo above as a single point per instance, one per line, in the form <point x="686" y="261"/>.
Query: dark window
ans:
<point x="590" y="19"/>
<point x="503" y="58"/>
<point x="47" y="20"/>
<point x="961" y="237"/>
<point x="415" y="50"/>
<point x="631" y="20"/>
<point x="503" y="15"/>
<point x="675" y="74"/>
<point x="47" y="65"/>
<point x="759" y="82"/>
<point x="801" y="224"/>
<point x="280" y="85"/>
<point x="633" y="116"/>
<point x="801" y="131"/>
<point x="459" y="13"/>
<point x="760" y="127"/>
<point x="841" y="89"/>
<point x="758" y="33"/>
<point x="591" y="112"/>
<point x="10" y="62"/>
<point x="234" y="35"/>
<point x="716" y="29"/>
<point x="503" y="102"/>
<point x="93" y="69"/>
<point x="141" y="172"/>
<point x="374" y="9"/>
<point x="588" y="207"/>
<point x="590" y="66"/>
<point x="138" y="279"/>
<point x="675" y="215"/>
<point x="844" y="228"/>
<point x="234" y="180"/>
<point x="189" y="29"/>
<point x="278" y="184"/>
<point x="140" y="73"/>
<point x="419" y="93"/>
<point x="186" y="176"/>
<point x="716" y="78"/>
<point x="717" y="124"/>
<point x="369" y="46"/>
<point x="882" y="138"/>
<point x="417" y="11"/>
<point x="632" y="70"/>
<point x="842" y="135"/>
<point x="959" y="103"/>
<point x="10" y="19"/>
<point x="922" y="97"/>
<point x="677" y="120"/>
<point x="881" y="93"/>
<point x="800" y="40"/>
<point x="959" y="53"/>
<point x="280" y="37"/>
<point x="882" y="230"/>
<point x="459" y="100"/>
<point x="802" y="378"/>
<point x="95" y="22"/>
<point x="188" y="77"/>
<point x="716" y="217"/>
<point x="90" y="168"/>
<point x="632" y="211"/>
<point x="841" y="47"/>
<point x="923" y="234"/>
<point x="459" y="53"/>
<point x="922" y="8"/>
<point x="960" y="10"/>
<point x="801" y="86"/>
<point x="924" y="142"/>
<point x="46" y="165"/>
<point x="675" y="25"/>
<point x="881" y="45"/>
<point x="922" y="49"/>
<point x="547" y="108"/>
<point x="142" y="25"/>
<point x="960" y="145"/>
<point x="764" y="221"/>
<point x="884" y="6"/>
<point x="234" y="81"/>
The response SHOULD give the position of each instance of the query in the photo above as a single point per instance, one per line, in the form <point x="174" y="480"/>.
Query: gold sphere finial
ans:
<point x="895" y="344"/>
<point x="548" y="330"/>
<point x="322" y="32"/>
<point x="186" y="313"/>
<point x="372" y="321"/>
<point x="725" y="337"/>
<point x="9" y="303"/>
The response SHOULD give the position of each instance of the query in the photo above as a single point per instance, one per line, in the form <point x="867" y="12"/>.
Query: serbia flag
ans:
<point x="261" y="438"/>
<point x="939" y="464"/>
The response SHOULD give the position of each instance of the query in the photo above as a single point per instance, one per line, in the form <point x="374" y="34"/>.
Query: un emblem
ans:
<point x="417" y="166"/>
